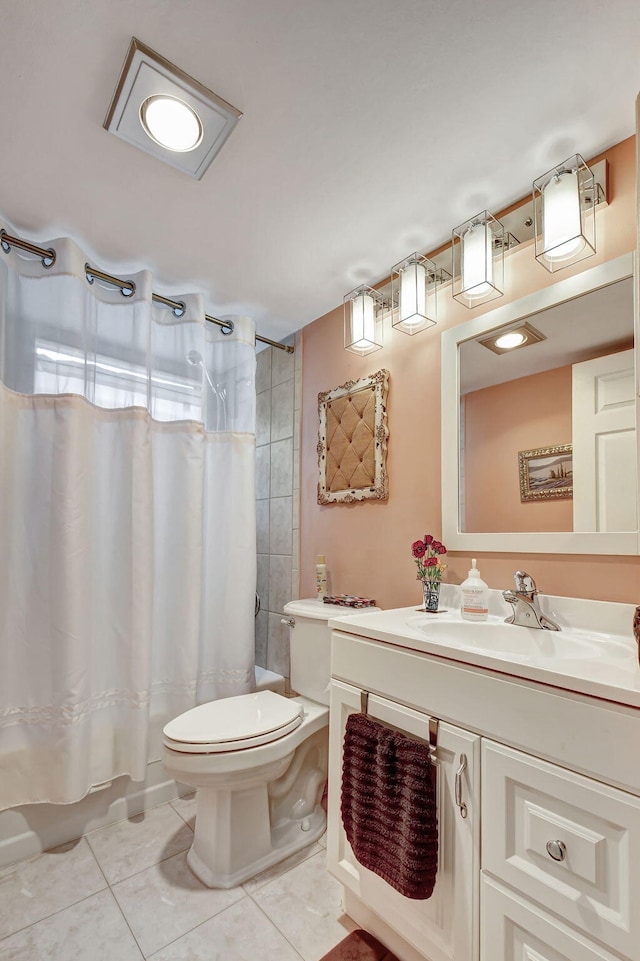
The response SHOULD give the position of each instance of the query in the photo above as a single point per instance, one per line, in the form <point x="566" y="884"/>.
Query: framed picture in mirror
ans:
<point x="352" y="441"/>
<point x="546" y="472"/>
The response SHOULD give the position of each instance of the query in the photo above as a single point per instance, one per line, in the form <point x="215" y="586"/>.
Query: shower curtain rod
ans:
<point x="127" y="287"/>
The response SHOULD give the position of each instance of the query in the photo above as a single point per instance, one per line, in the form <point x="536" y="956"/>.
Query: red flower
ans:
<point x="439" y="548"/>
<point x="428" y="540"/>
<point x="418" y="549"/>
<point x="431" y="562"/>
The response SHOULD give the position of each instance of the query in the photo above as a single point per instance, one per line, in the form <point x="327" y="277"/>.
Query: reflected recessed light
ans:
<point x="501" y="342"/>
<point x="172" y="123"/>
<point x="509" y="341"/>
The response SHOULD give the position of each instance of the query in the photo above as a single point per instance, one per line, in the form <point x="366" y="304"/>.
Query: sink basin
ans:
<point x="503" y="640"/>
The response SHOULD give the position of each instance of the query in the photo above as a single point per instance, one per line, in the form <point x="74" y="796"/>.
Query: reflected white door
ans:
<point x="604" y="444"/>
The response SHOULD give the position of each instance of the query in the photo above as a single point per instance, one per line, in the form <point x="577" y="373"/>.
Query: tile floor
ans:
<point x="124" y="893"/>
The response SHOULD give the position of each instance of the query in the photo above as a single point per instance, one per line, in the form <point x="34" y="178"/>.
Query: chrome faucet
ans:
<point x="524" y="600"/>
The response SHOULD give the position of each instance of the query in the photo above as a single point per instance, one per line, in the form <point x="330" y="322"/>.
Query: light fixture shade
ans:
<point x="413" y="294"/>
<point x="363" y="311"/>
<point x="564" y="202"/>
<point x="477" y="248"/>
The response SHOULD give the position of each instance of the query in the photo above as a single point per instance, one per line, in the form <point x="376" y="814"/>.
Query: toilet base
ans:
<point x="293" y="838"/>
<point x="253" y="818"/>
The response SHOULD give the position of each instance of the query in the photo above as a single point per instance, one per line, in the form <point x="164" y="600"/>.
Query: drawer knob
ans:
<point x="556" y="850"/>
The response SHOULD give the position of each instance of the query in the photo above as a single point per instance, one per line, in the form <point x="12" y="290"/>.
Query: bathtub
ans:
<point x="28" y="830"/>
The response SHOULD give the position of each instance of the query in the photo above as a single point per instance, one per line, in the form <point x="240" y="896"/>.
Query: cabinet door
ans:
<point x="444" y="927"/>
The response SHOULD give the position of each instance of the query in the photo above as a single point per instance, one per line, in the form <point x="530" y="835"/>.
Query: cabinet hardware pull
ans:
<point x="556" y="850"/>
<point x="458" y="786"/>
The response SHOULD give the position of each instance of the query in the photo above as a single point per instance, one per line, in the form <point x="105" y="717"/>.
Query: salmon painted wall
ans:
<point x="521" y="414"/>
<point x="367" y="545"/>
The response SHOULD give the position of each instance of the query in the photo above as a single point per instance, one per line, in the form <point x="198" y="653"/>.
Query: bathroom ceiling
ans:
<point x="370" y="129"/>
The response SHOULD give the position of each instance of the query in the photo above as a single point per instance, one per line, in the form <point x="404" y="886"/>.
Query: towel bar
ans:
<point x="433" y="722"/>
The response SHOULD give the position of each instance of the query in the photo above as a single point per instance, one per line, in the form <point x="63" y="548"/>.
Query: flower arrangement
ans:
<point x="427" y="554"/>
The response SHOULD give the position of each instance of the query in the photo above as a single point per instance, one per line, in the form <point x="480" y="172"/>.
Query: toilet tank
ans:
<point x="310" y="645"/>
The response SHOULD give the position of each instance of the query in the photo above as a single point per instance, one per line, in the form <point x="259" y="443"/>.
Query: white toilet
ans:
<point x="259" y="761"/>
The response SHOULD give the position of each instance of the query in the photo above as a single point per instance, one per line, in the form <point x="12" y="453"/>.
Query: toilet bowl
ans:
<point x="259" y="761"/>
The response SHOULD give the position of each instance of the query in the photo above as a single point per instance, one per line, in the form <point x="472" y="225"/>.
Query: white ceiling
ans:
<point x="370" y="129"/>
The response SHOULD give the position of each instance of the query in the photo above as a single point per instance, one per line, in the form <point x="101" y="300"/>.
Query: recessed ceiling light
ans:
<point x="162" y="110"/>
<point x="502" y="341"/>
<point x="171" y="123"/>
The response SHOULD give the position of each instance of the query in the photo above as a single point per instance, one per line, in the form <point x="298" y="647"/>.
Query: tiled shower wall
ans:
<point x="278" y="388"/>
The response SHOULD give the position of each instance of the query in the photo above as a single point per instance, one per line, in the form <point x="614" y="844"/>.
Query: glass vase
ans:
<point x="431" y="596"/>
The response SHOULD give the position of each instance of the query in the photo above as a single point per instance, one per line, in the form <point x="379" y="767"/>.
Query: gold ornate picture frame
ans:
<point x="352" y="441"/>
<point x="546" y="473"/>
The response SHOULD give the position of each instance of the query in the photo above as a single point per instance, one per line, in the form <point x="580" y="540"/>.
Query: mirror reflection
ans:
<point x="548" y="421"/>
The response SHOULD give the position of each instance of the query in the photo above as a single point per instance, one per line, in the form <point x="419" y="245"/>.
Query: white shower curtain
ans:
<point x="127" y="522"/>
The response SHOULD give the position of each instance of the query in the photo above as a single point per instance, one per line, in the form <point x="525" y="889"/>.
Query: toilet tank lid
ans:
<point x="313" y="608"/>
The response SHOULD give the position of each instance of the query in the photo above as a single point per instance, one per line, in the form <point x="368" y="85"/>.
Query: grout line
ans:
<point x="218" y="914"/>
<point x="310" y="854"/>
<point x="176" y="854"/>
<point x="180" y="813"/>
<point x="25" y="927"/>
<point x="274" y="925"/>
<point x="117" y="903"/>
<point x="124" y="917"/>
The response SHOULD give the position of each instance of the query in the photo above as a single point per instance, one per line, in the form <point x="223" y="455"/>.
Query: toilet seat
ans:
<point x="233" y="723"/>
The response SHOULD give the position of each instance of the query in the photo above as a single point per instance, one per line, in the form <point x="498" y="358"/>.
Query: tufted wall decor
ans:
<point x="352" y="441"/>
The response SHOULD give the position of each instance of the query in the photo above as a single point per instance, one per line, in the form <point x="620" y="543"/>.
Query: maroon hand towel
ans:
<point x="389" y="805"/>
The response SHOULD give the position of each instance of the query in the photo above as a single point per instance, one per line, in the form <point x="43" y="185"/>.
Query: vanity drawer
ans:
<point x="533" y="811"/>
<point x="512" y="930"/>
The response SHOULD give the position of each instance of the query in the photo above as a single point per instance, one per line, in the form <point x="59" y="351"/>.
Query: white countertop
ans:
<point x="609" y="671"/>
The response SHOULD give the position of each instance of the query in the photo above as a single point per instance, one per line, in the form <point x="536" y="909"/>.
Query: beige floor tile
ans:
<point x="33" y="889"/>
<point x="129" y="846"/>
<point x="305" y="904"/>
<point x="92" y="930"/>
<point x="277" y="870"/>
<point x="241" y="933"/>
<point x="323" y="841"/>
<point x="167" y="900"/>
<point x="186" y="808"/>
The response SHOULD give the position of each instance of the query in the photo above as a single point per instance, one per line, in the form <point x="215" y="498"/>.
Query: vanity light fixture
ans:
<point x="162" y="110"/>
<point x="414" y="284"/>
<point x="477" y="248"/>
<point x="564" y="202"/>
<point x="363" y="312"/>
<point x="504" y="341"/>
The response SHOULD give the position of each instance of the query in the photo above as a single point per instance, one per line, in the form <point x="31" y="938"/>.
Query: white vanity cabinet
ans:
<point x="546" y="867"/>
<point x="443" y="927"/>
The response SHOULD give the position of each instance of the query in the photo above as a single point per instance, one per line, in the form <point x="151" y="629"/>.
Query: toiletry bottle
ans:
<point x="475" y="596"/>
<point x="321" y="576"/>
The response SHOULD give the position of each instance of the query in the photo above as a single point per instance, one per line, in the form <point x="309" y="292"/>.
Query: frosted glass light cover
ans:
<point x="564" y="201"/>
<point x="509" y="341"/>
<point x="413" y="294"/>
<point x="477" y="261"/>
<point x="363" y="320"/>
<point x="171" y="122"/>
<point x="477" y="251"/>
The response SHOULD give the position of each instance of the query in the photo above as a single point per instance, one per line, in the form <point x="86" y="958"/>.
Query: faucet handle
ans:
<point x="524" y="582"/>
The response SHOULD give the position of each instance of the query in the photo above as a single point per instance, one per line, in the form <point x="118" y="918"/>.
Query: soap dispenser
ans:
<point x="475" y="596"/>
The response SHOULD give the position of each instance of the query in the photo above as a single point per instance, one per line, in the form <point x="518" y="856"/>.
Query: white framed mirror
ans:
<point x="562" y="407"/>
